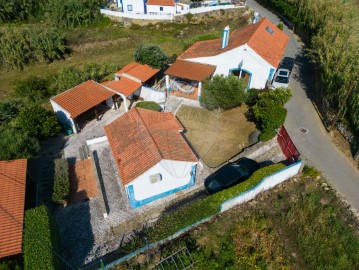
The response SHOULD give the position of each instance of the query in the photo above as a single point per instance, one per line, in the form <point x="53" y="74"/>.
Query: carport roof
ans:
<point x="124" y="86"/>
<point x="190" y="70"/>
<point x="12" y="203"/>
<point x="139" y="71"/>
<point x="141" y="138"/>
<point x="83" y="97"/>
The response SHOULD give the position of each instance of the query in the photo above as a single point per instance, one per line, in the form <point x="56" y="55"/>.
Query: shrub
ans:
<point x="280" y="26"/>
<point x="188" y="215"/>
<point x="150" y="105"/>
<point x="9" y="109"/>
<point x="68" y="77"/>
<point x="189" y="17"/>
<point x="152" y="55"/>
<point x="223" y="92"/>
<point x="251" y="96"/>
<point x="61" y="181"/>
<point x="310" y="171"/>
<point x="38" y="122"/>
<point x="16" y="144"/>
<point x="33" y="89"/>
<point x="41" y="240"/>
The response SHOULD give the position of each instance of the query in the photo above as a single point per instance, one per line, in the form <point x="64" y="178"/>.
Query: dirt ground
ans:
<point x="343" y="145"/>
<point x="216" y="135"/>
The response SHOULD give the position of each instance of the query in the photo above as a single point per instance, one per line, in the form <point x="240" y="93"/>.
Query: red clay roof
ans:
<point x="190" y="70"/>
<point x="269" y="46"/>
<point x="139" y="71"/>
<point x="83" y="183"/>
<point x="161" y="3"/>
<point x="12" y="203"/>
<point x="124" y="85"/>
<point x="83" y="97"/>
<point x="141" y="138"/>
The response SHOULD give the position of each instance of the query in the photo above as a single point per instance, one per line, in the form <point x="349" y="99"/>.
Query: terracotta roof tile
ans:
<point x="270" y="46"/>
<point x="124" y="85"/>
<point x="12" y="202"/>
<point x="141" y="72"/>
<point x="141" y="138"/>
<point x="82" y="97"/>
<point x="190" y="70"/>
<point x="161" y="3"/>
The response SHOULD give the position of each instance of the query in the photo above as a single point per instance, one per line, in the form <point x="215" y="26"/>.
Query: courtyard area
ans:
<point x="217" y="135"/>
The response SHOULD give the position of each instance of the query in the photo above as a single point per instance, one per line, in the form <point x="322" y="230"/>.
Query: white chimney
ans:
<point x="225" y="37"/>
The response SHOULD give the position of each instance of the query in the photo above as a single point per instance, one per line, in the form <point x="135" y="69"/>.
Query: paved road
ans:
<point x="315" y="146"/>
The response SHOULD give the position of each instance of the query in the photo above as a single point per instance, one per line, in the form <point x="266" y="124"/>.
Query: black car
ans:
<point x="230" y="175"/>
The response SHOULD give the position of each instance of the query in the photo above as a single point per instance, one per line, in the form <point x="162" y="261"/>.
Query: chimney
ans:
<point x="225" y="37"/>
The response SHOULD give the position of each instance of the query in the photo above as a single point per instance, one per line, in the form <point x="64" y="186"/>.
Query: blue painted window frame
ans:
<point x="245" y="70"/>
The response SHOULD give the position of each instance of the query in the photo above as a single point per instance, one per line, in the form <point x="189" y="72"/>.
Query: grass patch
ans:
<point x="298" y="226"/>
<point x="216" y="135"/>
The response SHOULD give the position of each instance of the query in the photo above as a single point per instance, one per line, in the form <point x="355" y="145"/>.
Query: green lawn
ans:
<point x="216" y="135"/>
<point x="114" y="44"/>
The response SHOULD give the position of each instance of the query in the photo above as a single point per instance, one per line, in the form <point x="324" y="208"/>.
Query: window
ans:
<point x="161" y="8"/>
<point x="155" y="178"/>
<point x="269" y="30"/>
<point x="129" y="7"/>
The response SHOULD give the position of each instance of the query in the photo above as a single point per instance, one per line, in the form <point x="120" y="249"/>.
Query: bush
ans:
<point x="61" y="181"/>
<point x="222" y="92"/>
<point x="41" y="240"/>
<point x="188" y="215"/>
<point x="152" y="55"/>
<point x="34" y="89"/>
<point x="15" y="144"/>
<point x="251" y="96"/>
<point x="280" y="26"/>
<point x="9" y="109"/>
<point x="38" y="122"/>
<point x="150" y="105"/>
<point x="269" y="111"/>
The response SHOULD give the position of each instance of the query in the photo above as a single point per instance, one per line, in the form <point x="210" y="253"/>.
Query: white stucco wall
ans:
<point x="174" y="174"/>
<point x="182" y="7"/>
<point x="63" y="115"/>
<point x="252" y="62"/>
<point x="109" y="103"/>
<point x="155" y="9"/>
<point x="152" y="95"/>
<point x="137" y="6"/>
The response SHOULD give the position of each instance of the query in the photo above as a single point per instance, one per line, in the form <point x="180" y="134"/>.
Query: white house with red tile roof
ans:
<point x="132" y="6"/>
<point x="12" y="205"/>
<point x="153" y="7"/>
<point x="152" y="157"/>
<point x="161" y="7"/>
<point x="252" y="52"/>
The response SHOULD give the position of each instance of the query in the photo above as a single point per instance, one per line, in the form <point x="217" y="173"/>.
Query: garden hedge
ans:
<point x="61" y="181"/>
<point x="210" y="205"/>
<point x="41" y="240"/>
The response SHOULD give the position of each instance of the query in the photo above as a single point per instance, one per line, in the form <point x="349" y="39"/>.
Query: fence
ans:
<point x="150" y="94"/>
<point x="266" y="183"/>
<point x="165" y="17"/>
<point x="286" y="144"/>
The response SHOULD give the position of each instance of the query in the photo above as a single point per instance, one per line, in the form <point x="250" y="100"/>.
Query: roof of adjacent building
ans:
<point x="161" y="3"/>
<point x="141" y="138"/>
<point x="12" y="203"/>
<point x="269" y="46"/>
<point x="139" y="71"/>
<point x="124" y="85"/>
<point x="83" y="97"/>
<point x="190" y="70"/>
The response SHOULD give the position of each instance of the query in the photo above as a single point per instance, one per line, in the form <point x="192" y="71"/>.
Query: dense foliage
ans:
<point x="223" y="92"/>
<point x="33" y="89"/>
<point x="38" y="122"/>
<point x="15" y="143"/>
<point x="150" y="105"/>
<point x="61" y="181"/>
<point x="19" y="47"/>
<point x="332" y="26"/>
<point x="269" y="111"/>
<point x="20" y="10"/>
<point x="152" y="55"/>
<point x="41" y="240"/>
<point x="9" y="110"/>
<point x="188" y="215"/>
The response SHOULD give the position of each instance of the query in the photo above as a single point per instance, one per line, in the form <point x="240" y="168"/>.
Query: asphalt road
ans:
<point x="315" y="146"/>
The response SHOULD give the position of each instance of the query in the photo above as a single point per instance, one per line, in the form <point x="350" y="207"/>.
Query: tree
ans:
<point x="269" y="111"/>
<point x="34" y="89"/>
<point x="69" y="77"/>
<point x="223" y="92"/>
<point x="15" y="143"/>
<point x="20" y="10"/>
<point x="152" y="55"/>
<point x="9" y="109"/>
<point x="38" y="122"/>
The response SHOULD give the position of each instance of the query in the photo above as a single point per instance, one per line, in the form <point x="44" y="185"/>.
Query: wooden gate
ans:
<point x="286" y="144"/>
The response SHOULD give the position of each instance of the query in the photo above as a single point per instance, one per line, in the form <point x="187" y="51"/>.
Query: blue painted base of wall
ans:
<point x="135" y="203"/>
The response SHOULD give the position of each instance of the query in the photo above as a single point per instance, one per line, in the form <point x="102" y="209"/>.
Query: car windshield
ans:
<point x="283" y="73"/>
<point x="281" y="79"/>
